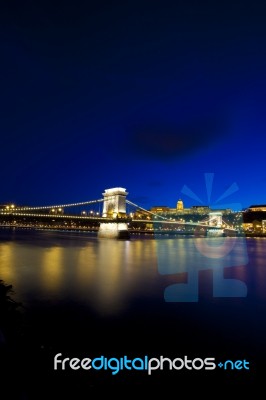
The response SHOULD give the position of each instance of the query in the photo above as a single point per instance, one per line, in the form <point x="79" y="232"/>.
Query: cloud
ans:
<point x="164" y="142"/>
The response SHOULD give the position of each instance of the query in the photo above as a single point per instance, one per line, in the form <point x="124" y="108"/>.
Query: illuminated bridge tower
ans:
<point x="215" y="219"/>
<point x="215" y="224"/>
<point x="114" y="209"/>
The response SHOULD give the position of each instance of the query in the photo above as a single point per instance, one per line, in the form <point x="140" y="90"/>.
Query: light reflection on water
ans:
<point x="108" y="274"/>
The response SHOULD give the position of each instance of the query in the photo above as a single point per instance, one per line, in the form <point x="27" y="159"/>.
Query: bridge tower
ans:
<point x="114" y="209"/>
<point x="114" y="204"/>
<point x="215" y="219"/>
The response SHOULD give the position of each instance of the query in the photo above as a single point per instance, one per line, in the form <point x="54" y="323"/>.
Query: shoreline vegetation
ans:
<point x="12" y="344"/>
<point x="9" y="314"/>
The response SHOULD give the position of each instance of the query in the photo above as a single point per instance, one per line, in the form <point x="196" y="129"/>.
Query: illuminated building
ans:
<point x="160" y="209"/>
<point x="181" y="210"/>
<point x="254" y="208"/>
<point x="179" y="205"/>
<point x="254" y="219"/>
<point x="200" y="209"/>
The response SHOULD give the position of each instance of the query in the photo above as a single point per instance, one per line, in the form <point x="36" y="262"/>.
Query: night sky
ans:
<point x="145" y="95"/>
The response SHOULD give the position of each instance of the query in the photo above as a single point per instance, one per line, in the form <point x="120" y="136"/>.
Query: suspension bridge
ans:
<point x="112" y="216"/>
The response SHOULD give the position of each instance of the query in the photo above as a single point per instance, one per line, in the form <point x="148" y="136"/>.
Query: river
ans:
<point x="174" y="297"/>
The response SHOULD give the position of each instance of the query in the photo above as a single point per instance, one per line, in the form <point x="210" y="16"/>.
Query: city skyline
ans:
<point x="187" y="205"/>
<point x="187" y="197"/>
<point x="150" y="98"/>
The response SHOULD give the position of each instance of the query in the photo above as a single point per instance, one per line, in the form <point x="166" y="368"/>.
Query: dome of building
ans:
<point x="180" y="205"/>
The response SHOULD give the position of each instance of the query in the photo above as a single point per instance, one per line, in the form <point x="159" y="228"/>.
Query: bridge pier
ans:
<point x="114" y="230"/>
<point x="114" y="208"/>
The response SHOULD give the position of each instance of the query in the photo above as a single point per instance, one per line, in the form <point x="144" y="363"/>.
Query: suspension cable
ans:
<point x="59" y="206"/>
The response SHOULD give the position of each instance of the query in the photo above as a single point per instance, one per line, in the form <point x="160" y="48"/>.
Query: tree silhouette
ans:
<point x="9" y="314"/>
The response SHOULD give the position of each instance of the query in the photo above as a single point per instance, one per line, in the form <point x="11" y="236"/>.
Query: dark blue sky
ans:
<point x="146" y="95"/>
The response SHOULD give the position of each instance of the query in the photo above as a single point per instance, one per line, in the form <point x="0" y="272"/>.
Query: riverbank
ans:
<point x="135" y="232"/>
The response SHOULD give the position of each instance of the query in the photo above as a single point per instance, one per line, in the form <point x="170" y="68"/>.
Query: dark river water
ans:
<point x="173" y="297"/>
